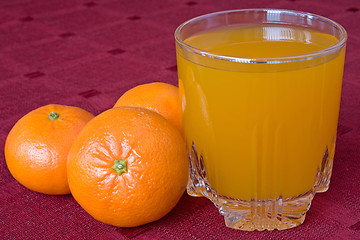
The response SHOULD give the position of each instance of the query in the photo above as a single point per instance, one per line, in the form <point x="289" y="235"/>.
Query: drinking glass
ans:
<point x="260" y="92"/>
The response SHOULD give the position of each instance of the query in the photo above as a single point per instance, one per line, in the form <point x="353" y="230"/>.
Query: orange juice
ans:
<point x="262" y="130"/>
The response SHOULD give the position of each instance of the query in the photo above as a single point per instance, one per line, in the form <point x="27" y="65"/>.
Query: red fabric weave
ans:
<point x="87" y="53"/>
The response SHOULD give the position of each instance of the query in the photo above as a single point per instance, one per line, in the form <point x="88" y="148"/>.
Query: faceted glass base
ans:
<point x="258" y="214"/>
<point x="261" y="215"/>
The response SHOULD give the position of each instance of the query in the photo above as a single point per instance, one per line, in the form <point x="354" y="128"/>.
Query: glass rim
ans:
<point x="268" y="60"/>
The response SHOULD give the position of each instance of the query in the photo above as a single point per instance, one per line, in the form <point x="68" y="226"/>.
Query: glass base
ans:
<point x="266" y="215"/>
<point x="261" y="215"/>
<point x="258" y="214"/>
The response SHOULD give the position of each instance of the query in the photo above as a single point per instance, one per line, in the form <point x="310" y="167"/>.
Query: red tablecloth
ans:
<point x="87" y="53"/>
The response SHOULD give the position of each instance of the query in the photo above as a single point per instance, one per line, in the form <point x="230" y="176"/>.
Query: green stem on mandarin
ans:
<point x="119" y="166"/>
<point x="53" y="116"/>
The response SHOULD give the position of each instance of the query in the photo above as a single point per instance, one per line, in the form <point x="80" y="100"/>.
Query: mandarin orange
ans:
<point x="128" y="167"/>
<point x="37" y="146"/>
<point x="159" y="97"/>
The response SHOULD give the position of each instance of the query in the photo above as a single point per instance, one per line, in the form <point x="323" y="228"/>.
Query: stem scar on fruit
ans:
<point x="119" y="166"/>
<point x="53" y="116"/>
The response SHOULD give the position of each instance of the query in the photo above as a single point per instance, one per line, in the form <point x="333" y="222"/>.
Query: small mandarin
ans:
<point x="159" y="97"/>
<point x="37" y="146"/>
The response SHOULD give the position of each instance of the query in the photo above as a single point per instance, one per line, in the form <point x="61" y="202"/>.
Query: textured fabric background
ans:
<point x="87" y="53"/>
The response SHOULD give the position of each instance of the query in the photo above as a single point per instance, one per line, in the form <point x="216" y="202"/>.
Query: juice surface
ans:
<point x="261" y="133"/>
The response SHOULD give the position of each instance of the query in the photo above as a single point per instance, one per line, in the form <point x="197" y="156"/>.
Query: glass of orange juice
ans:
<point x="260" y="92"/>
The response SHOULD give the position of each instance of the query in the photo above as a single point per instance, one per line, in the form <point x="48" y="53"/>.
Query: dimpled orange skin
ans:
<point x="159" y="97"/>
<point x="36" y="148"/>
<point x="156" y="174"/>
